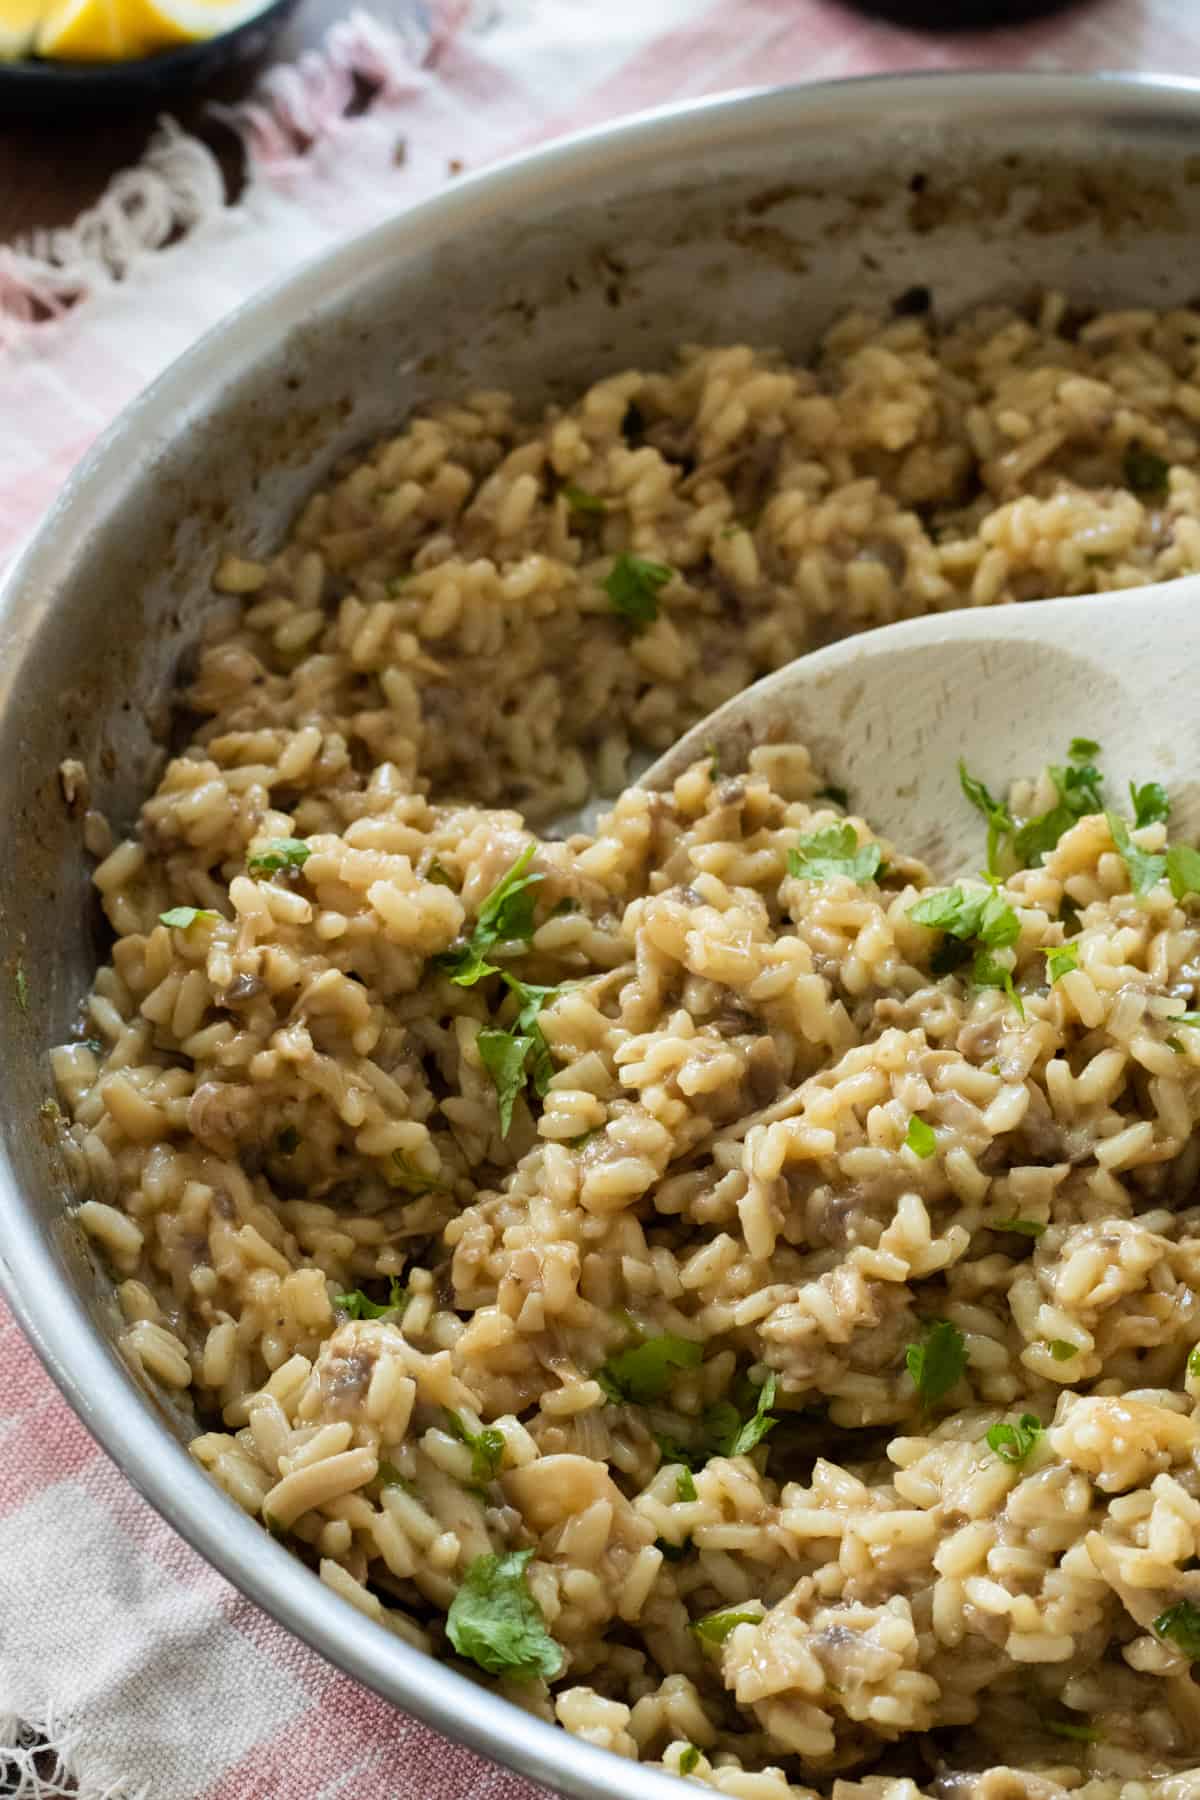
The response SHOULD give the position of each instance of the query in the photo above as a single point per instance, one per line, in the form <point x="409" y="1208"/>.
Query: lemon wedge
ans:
<point x="79" y="31"/>
<point x="18" y="27"/>
<point x="150" y="25"/>
<point x="117" y="30"/>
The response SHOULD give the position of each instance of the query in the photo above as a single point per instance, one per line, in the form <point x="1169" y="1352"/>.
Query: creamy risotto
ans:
<point x="725" y="1284"/>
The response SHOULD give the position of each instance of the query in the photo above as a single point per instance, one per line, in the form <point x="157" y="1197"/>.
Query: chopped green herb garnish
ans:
<point x="1012" y="1443"/>
<point x="920" y="1138"/>
<point x="495" y="1620"/>
<point x="1061" y="960"/>
<point x="988" y="971"/>
<point x="757" y="1425"/>
<point x="439" y="874"/>
<point x="413" y="1180"/>
<point x="1185" y="1018"/>
<point x="715" y="1627"/>
<point x="642" y="1374"/>
<point x="1193" y="1362"/>
<point x="834" y="851"/>
<point x="936" y="1365"/>
<point x="288" y="1141"/>
<point x="965" y="913"/>
<point x="506" y="916"/>
<point x="21" y="988"/>
<point x="1081" y="749"/>
<point x="999" y="819"/>
<point x="688" y="1758"/>
<point x="1173" y="1043"/>
<point x="685" y="1486"/>
<point x="276" y="854"/>
<point x="838" y="795"/>
<point x="1183" y="870"/>
<point x="1026" y="1227"/>
<point x="1079" y="793"/>
<point x="504" y="1055"/>
<point x="1080" y="1734"/>
<point x="1181" y="1624"/>
<point x="513" y="1057"/>
<point x="486" y="1447"/>
<point x="580" y="501"/>
<point x="1145" y="869"/>
<point x="633" y="586"/>
<point x="95" y="1045"/>
<point x="360" y="1306"/>
<point x="1145" y="471"/>
<point x="1151" y="804"/>
<point x="390" y="1476"/>
<point x="180" y="917"/>
<point x="1061" y="1351"/>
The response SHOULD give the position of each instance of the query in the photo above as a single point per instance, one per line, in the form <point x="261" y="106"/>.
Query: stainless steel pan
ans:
<point x="757" y="217"/>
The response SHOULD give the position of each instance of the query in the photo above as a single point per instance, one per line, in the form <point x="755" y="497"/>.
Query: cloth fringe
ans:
<point x="178" y="185"/>
<point x="38" y="1762"/>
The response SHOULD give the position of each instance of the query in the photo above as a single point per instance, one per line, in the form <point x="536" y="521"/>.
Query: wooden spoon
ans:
<point x="887" y="714"/>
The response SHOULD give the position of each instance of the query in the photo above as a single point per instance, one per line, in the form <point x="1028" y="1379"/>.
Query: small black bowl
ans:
<point x="38" y="86"/>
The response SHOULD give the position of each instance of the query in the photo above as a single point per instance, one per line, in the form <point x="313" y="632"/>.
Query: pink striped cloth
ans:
<point x="144" y="1669"/>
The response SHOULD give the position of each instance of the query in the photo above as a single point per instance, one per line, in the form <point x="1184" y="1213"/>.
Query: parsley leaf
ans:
<point x="1080" y="1734"/>
<point x="715" y="1627"/>
<point x="685" y="1486"/>
<point x="513" y="1057"/>
<point x="412" y="1180"/>
<point x="1061" y="960"/>
<point x="360" y="1306"/>
<point x="987" y="971"/>
<point x="1145" y="870"/>
<point x="506" y="916"/>
<point x="1082" y="749"/>
<point x="439" y="875"/>
<point x="969" y="913"/>
<point x="1193" y="1361"/>
<point x="1012" y="1443"/>
<point x="495" y="1620"/>
<point x="632" y="586"/>
<point x="486" y="1447"/>
<point x="1061" y="1351"/>
<point x="504" y="1055"/>
<point x="1151" y="803"/>
<point x="390" y="1476"/>
<point x="21" y="988"/>
<point x="1079" y="793"/>
<point x="642" y="1374"/>
<point x="999" y="819"/>
<point x="1026" y="1227"/>
<point x="1181" y="1623"/>
<point x="757" y="1425"/>
<point x="1183" y="870"/>
<point x="180" y="917"/>
<point x="276" y="854"/>
<point x="689" y="1756"/>
<point x="937" y="1364"/>
<point x="1145" y="471"/>
<point x="580" y="501"/>
<point x="834" y="851"/>
<point x="919" y="1138"/>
